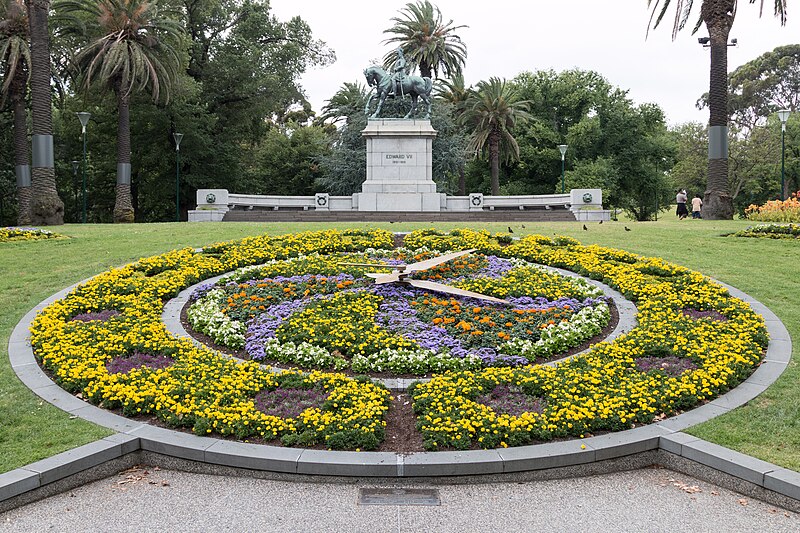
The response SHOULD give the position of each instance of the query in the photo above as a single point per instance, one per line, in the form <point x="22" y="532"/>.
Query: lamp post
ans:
<point x="75" y="166"/>
<point x="783" y="114"/>
<point x="84" y="116"/>
<point x="563" y="148"/>
<point x="178" y="137"/>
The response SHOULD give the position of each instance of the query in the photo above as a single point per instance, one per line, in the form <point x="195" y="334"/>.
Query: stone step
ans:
<point x="538" y="215"/>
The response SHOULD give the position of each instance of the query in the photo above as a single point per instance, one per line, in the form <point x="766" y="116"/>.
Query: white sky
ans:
<point x="506" y="37"/>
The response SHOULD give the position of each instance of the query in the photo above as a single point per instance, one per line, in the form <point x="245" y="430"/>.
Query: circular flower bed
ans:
<point x="307" y="312"/>
<point x="692" y="343"/>
<point x="26" y="234"/>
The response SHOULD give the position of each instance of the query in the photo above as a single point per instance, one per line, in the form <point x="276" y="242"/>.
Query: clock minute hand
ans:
<point x="434" y="261"/>
<point x="439" y="287"/>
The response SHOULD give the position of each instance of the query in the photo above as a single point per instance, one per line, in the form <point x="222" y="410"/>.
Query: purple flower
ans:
<point x="126" y="363"/>
<point x="201" y="291"/>
<point x="101" y="316"/>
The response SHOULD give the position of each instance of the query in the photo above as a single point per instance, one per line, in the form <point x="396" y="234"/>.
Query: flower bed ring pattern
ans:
<point x="162" y="276"/>
<point x="626" y="311"/>
<point x="664" y="435"/>
<point x="309" y="312"/>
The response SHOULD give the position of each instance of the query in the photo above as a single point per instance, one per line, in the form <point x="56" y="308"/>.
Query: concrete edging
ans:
<point x="666" y="436"/>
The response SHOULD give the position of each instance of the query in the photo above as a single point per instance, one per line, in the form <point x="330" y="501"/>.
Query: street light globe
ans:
<point x="563" y="148"/>
<point x="783" y="114"/>
<point x="178" y="137"/>
<point x="84" y="117"/>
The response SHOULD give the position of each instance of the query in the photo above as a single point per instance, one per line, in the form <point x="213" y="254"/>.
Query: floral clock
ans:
<point x="463" y="310"/>
<point x="350" y="301"/>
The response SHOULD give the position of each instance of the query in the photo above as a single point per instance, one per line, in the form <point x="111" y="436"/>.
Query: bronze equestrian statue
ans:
<point x="397" y="85"/>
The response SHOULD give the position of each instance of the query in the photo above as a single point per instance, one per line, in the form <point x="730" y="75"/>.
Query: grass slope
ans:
<point x="768" y="428"/>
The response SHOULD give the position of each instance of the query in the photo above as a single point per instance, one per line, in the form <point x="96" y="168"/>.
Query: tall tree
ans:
<point x="133" y="47"/>
<point x="46" y="207"/>
<point x="718" y="16"/>
<point x="764" y="85"/>
<point x="427" y="42"/>
<point x="349" y="98"/>
<point x="15" y="60"/>
<point x="456" y="93"/>
<point x="490" y="114"/>
<point x="247" y="64"/>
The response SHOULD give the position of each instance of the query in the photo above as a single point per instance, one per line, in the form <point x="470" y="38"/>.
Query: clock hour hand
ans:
<point x="439" y="287"/>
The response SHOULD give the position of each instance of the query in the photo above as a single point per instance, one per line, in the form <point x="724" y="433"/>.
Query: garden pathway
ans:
<point x="166" y="500"/>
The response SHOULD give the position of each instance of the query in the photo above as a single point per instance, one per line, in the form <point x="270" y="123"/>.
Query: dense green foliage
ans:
<point x="239" y="81"/>
<point x="248" y="127"/>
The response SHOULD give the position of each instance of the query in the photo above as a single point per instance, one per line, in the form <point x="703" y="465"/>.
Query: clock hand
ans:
<point x="439" y="287"/>
<point x="381" y="279"/>
<point x="434" y="261"/>
<point x="373" y="265"/>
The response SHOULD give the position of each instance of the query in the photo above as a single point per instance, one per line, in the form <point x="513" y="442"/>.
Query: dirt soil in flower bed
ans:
<point x="401" y="434"/>
<point x="241" y="354"/>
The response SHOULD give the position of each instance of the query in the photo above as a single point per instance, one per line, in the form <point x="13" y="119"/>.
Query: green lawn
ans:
<point x="768" y="428"/>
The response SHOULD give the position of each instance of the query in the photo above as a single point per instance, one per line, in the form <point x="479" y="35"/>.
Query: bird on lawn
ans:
<point x="627" y="228"/>
<point x="523" y="226"/>
<point x="600" y="222"/>
<point x="585" y="228"/>
<point x="510" y="230"/>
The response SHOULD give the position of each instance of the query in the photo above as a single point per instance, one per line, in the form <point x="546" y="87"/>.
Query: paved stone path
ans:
<point x="165" y="500"/>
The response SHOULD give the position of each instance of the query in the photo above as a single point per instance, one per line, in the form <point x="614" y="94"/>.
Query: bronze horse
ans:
<point x="414" y="86"/>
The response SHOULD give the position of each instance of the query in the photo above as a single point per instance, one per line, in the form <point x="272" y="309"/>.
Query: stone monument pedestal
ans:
<point x="399" y="167"/>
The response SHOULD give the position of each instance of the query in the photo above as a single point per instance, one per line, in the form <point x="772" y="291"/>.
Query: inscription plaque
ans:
<point x="398" y="159"/>
<point x="399" y="497"/>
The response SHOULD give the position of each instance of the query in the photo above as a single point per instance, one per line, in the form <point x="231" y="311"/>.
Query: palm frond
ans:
<point x="133" y="47"/>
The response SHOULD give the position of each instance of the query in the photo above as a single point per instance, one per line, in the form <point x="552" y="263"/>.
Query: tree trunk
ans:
<point x="717" y="201"/>
<point x="21" y="149"/>
<point x="494" y="161"/>
<point x="123" y="206"/>
<point x="424" y="69"/>
<point x="46" y="207"/>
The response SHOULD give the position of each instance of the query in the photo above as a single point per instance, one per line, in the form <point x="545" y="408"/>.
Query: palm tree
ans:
<point x="15" y="60"/>
<point x="426" y="42"/>
<point x="491" y="112"/>
<point x="46" y="207"/>
<point x="456" y="93"/>
<point x="718" y="16"/>
<point x="350" y="97"/>
<point x="132" y="47"/>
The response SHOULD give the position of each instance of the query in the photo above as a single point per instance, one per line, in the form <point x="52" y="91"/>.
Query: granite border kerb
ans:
<point x="218" y="451"/>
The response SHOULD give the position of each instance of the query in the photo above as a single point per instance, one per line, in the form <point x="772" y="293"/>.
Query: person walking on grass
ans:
<point x="697" y="205"/>
<point x="680" y="199"/>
